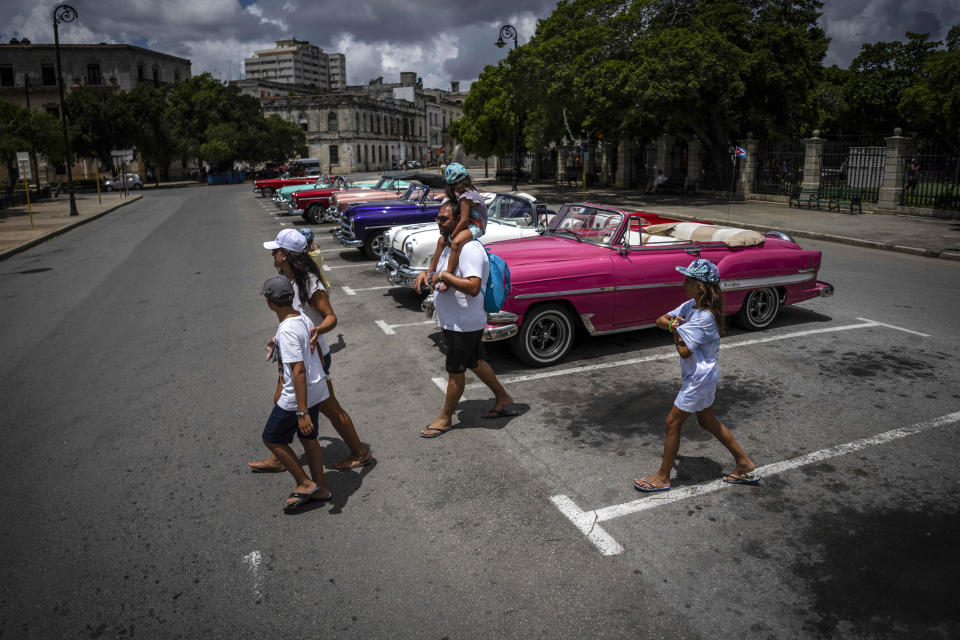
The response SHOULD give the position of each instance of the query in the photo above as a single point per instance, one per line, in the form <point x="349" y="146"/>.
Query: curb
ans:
<point x="56" y="232"/>
<point x="857" y="242"/>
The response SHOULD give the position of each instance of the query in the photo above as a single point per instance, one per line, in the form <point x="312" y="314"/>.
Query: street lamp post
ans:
<point x="508" y="31"/>
<point x="64" y="13"/>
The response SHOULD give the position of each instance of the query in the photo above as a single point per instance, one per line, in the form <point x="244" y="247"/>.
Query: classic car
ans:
<point x="311" y="203"/>
<point x="364" y="225"/>
<point x="411" y="247"/>
<point x="607" y="271"/>
<point x="284" y="195"/>
<point x="128" y="181"/>
<point x="267" y="187"/>
<point x="339" y="204"/>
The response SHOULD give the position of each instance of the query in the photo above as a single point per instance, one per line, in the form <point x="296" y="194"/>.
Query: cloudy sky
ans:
<point x="442" y="40"/>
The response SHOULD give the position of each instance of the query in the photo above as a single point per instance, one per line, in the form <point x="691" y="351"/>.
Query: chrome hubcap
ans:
<point x="762" y="306"/>
<point x="547" y="336"/>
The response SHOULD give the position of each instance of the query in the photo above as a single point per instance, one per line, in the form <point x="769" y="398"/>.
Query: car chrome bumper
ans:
<point x="294" y="212"/>
<point x="346" y="239"/>
<point x="257" y="190"/>
<point x="492" y="332"/>
<point x="824" y="289"/>
<point x="396" y="273"/>
<point x="331" y="214"/>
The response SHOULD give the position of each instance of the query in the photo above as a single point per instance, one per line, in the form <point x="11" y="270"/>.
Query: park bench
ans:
<point x="809" y="194"/>
<point x="842" y="196"/>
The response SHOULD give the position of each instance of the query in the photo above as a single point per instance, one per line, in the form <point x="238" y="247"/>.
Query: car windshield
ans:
<point x="590" y="224"/>
<point x="414" y="193"/>
<point x="510" y="210"/>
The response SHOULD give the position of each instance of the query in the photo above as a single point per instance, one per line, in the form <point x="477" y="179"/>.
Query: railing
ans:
<point x="931" y="177"/>
<point x="779" y="167"/>
<point x="854" y="162"/>
<point x="716" y="170"/>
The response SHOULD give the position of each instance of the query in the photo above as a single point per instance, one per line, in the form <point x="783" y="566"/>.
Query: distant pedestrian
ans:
<point x="312" y="299"/>
<point x="696" y="326"/>
<point x="462" y="319"/>
<point x="300" y="395"/>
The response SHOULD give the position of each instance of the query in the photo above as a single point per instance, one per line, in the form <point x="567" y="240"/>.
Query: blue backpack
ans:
<point x="498" y="283"/>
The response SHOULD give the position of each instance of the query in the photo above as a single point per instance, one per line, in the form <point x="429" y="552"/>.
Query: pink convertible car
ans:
<point x="608" y="271"/>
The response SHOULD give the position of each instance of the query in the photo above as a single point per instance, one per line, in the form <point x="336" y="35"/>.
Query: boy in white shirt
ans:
<point x="301" y="390"/>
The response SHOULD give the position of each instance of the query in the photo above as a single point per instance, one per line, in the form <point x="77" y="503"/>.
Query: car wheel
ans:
<point x="315" y="214"/>
<point x="376" y="245"/>
<point x="267" y="192"/>
<point x="138" y="186"/>
<point x="759" y="309"/>
<point x="108" y="188"/>
<point x="545" y="336"/>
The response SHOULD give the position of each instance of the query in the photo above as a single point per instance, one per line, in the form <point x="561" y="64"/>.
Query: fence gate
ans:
<point x="779" y="167"/>
<point x="854" y="162"/>
<point x="931" y="177"/>
<point x="716" y="169"/>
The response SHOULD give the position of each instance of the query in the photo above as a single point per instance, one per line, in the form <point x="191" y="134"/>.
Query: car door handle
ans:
<point x="693" y="251"/>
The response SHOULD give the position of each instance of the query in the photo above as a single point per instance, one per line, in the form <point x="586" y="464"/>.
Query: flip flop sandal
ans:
<point x="743" y="478"/>
<point x="650" y="488"/>
<point x="439" y="432"/>
<point x="324" y="499"/>
<point x="301" y="499"/>
<point x="263" y="468"/>
<point x="362" y="461"/>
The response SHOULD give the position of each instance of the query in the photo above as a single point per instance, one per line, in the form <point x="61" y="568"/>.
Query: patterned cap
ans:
<point x="454" y="173"/>
<point x="702" y="270"/>
<point x="307" y="233"/>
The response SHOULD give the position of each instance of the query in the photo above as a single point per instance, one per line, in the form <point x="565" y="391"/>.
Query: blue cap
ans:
<point x="454" y="173"/>
<point x="308" y="234"/>
<point x="701" y="269"/>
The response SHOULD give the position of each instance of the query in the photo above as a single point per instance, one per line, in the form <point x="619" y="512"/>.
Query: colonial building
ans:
<point x="442" y="109"/>
<point x="298" y="62"/>
<point x="28" y="77"/>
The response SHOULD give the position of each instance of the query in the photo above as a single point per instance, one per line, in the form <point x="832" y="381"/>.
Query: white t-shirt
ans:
<point x="313" y="285"/>
<point x="700" y="371"/>
<point x="457" y="311"/>
<point x="293" y="342"/>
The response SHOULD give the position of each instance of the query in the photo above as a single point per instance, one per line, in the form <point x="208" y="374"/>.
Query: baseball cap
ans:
<point x="278" y="290"/>
<point x="703" y="270"/>
<point x="289" y="239"/>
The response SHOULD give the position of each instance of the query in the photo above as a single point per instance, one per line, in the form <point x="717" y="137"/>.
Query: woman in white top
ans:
<point x="311" y="298"/>
<point x="696" y="326"/>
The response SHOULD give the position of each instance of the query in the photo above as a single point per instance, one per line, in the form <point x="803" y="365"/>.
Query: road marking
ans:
<point x="586" y="521"/>
<point x="252" y="560"/>
<point x="327" y="267"/>
<point x="352" y="292"/>
<point x="389" y="328"/>
<point x="672" y="353"/>
<point x="890" y="326"/>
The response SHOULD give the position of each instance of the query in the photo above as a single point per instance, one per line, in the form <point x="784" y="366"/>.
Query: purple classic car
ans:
<point x="365" y="226"/>
<point x="607" y="271"/>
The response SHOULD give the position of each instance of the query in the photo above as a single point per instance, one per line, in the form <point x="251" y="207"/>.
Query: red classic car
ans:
<point x="269" y="186"/>
<point x="608" y="271"/>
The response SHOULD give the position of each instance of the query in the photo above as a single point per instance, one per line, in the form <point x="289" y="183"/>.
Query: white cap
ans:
<point x="289" y="239"/>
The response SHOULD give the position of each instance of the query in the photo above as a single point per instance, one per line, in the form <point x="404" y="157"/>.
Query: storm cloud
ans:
<point x="442" y="40"/>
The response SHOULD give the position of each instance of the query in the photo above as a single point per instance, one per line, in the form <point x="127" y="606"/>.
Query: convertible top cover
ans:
<point x="696" y="232"/>
<point x="434" y="180"/>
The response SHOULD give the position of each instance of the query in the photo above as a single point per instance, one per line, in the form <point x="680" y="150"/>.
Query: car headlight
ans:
<point x="408" y="248"/>
<point x="386" y="237"/>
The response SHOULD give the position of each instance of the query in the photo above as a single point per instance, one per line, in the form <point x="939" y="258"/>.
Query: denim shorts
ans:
<point x="282" y="424"/>
<point x="475" y="230"/>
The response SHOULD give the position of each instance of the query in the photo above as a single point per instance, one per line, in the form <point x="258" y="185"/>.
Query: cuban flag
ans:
<point x="740" y="152"/>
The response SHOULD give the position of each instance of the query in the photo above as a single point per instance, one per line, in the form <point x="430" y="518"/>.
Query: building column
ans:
<point x="748" y="167"/>
<point x="812" y="160"/>
<point x="561" y="168"/>
<point x="694" y="152"/>
<point x="624" y="152"/>
<point x="898" y="150"/>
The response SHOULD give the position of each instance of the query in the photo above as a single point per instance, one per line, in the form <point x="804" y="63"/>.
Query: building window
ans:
<point x="332" y="121"/>
<point x="176" y="75"/>
<point x="156" y="76"/>
<point x="358" y="120"/>
<point x="6" y="75"/>
<point x="93" y="74"/>
<point x="334" y="154"/>
<point x="48" y="75"/>
<point x="140" y="76"/>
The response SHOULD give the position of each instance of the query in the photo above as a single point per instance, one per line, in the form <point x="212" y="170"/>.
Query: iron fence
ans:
<point x="855" y="163"/>
<point x="931" y="177"/>
<point x="716" y="170"/>
<point x="779" y="167"/>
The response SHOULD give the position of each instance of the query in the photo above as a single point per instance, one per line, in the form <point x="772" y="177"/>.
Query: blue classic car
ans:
<point x="365" y="226"/>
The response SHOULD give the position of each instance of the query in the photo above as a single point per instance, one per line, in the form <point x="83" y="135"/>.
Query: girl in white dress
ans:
<point x="696" y="326"/>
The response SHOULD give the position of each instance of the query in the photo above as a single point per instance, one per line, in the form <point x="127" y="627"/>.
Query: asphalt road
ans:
<point x="134" y="392"/>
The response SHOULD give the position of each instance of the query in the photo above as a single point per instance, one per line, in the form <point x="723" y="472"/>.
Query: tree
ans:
<point x="930" y="107"/>
<point x="20" y="128"/>
<point x="152" y="135"/>
<point x="99" y="122"/>
<point x="279" y="140"/>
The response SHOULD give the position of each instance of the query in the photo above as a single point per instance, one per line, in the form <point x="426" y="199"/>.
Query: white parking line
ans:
<point x="890" y="326"/>
<point x="672" y="353"/>
<point x="389" y="328"/>
<point x="352" y="292"/>
<point x="587" y="521"/>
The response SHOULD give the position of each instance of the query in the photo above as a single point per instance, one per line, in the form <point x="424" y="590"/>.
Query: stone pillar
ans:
<point x="624" y="153"/>
<point x="665" y="144"/>
<point x="694" y="151"/>
<point x="899" y="149"/>
<point x="812" y="160"/>
<point x="748" y="167"/>
<point x="561" y="168"/>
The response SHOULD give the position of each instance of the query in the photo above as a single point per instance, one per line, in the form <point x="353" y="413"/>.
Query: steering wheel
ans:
<point x="528" y="218"/>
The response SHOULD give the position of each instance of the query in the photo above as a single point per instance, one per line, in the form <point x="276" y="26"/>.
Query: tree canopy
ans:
<point x="25" y="130"/>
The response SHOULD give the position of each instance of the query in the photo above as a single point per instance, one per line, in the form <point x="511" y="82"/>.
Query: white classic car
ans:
<point x="411" y="247"/>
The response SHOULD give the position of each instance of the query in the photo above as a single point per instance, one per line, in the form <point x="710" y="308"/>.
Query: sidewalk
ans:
<point x="908" y="234"/>
<point x="51" y="218"/>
